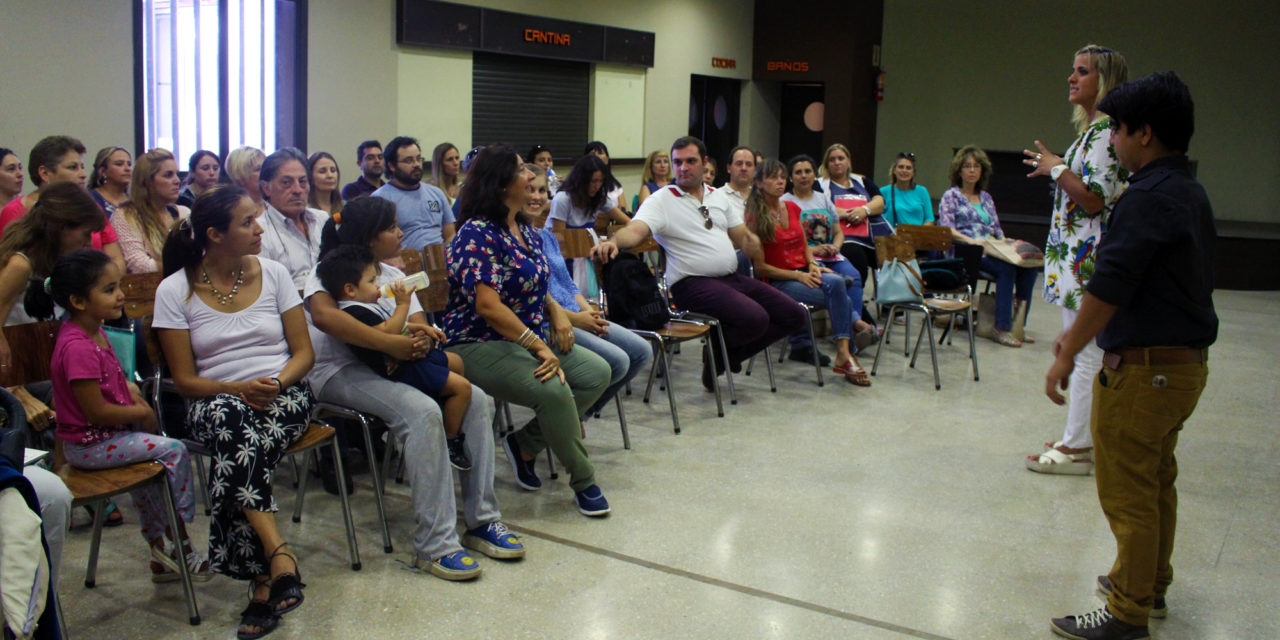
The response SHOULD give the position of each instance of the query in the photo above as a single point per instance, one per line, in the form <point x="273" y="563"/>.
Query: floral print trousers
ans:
<point x="246" y="444"/>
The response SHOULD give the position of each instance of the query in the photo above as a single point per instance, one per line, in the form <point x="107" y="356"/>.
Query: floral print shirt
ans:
<point x="1074" y="232"/>
<point x="956" y="212"/>
<point x="485" y="253"/>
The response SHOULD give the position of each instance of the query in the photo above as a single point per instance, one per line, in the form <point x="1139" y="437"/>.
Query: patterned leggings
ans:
<point x="129" y="447"/>
<point x="247" y="444"/>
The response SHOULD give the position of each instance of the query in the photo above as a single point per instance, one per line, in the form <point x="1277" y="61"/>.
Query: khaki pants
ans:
<point x="1138" y="411"/>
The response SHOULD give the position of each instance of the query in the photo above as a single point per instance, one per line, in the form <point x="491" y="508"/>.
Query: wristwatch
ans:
<point x="1057" y="171"/>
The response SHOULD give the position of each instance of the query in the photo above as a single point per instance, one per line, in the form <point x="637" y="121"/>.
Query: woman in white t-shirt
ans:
<point x="235" y="337"/>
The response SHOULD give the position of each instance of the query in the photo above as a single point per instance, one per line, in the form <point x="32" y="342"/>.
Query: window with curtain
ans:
<point x="219" y="74"/>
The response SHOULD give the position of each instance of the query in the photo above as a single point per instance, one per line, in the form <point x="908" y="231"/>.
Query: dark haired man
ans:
<point x="1149" y="303"/>
<point x="702" y="263"/>
<point x="369" y="159"/>
<point x="422" y="210"/>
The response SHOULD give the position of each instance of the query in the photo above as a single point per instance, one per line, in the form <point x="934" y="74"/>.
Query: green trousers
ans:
<point x="505" y="371"/>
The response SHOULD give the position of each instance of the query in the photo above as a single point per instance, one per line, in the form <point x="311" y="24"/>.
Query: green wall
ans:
<point x="994" y="74"/>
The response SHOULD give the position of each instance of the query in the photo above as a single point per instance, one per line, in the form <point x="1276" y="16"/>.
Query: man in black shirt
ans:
<point x="1149" y="303"/>
<point x="369" y="159"/>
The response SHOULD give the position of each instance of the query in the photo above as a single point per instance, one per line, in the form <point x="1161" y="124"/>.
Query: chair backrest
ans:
<point x="433" y="257"/>
<point x="412" y="260"/>
<point x="435" y="297"/>
<point x="31" y="350"/>
<point x="925" y="237"/>
<point x="140" y="293"/>
<point x="890" y="247"/>
<point x="576" y="243"/>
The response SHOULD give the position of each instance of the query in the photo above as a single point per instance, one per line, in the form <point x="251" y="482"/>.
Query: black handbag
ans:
<point x="943" y="274"/>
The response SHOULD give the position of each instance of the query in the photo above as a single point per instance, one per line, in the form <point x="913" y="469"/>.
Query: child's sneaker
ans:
<point x="458" y="457"/>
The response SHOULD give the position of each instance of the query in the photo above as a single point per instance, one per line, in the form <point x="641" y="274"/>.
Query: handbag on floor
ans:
<point x="899" y="281"/>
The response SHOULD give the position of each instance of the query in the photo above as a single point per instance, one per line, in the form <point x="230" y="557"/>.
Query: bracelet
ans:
<point x="527" y="338"/>
<point x="279" y="385"/>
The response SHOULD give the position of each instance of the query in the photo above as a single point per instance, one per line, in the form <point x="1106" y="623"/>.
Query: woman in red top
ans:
<point x="786" y="261"/>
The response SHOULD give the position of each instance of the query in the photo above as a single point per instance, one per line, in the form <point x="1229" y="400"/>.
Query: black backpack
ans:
<point x="634" y="299"/>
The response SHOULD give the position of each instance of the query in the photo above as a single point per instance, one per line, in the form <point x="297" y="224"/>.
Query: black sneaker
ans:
<point x="805" y="355"/>
<point x="1097" y="625"/>
<point x="525" y="475"/>
<point x="1160" y="610"/>
<point x="458" y="457"/>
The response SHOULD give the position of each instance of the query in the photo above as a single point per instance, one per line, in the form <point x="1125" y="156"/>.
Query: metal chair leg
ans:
<point x="622" y="421"/>
<point x="728" y="372"/>
<point x="346" y="506"/>
<point x="710" y="354"/>
<point x="671" y="394"/>
<point x="377" y="483"/>
<point x="99" y="517"/>
<point x="304" y="480"/>
<point x="933" y="352"/>
<point x="768" y="364"/>
<point x="659" y="352"/>
<point x="551" y="466"/>
<point x="973" y="351"/>
<point x="203" y="480"/>
<point x="813" y="344"/>
<point x="184" y="572"/>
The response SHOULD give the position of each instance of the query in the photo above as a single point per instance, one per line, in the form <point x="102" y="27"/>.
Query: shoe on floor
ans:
<point x="591" y="501"/>
<point x="494" y="540"/>
<point x="526" y="477"/>
<point x="164" y="563"/>
<point x="458" y="457"/>
<point x="1160" y="610"/>
<point x="805" y="355"/>
<point x="455" y="566"/>
<point x="1057" y="462"/>
<point x="1097" y="625"/>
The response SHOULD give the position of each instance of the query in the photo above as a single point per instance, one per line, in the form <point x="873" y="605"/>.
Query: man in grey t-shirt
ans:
<point x="422" y="210"/>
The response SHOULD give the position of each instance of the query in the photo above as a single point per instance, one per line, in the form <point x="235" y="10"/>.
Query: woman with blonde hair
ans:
<point x="657" y="174"/>
<point x="143" y="222"/>
<point x="242" y="167"/>
<point x="323" y="174"/>
<point x="1088" y="180"/>
<point x="109" y="181"/>
<point x="446" y="170"/>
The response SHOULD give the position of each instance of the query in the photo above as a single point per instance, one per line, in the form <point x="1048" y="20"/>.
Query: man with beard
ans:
<point x="702" y="262"/>
<point x="369" y="159"/>
<point x="422" y="210"/>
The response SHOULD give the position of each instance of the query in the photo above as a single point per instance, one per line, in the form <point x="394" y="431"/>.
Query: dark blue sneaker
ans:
<point x="525" y="475"/>
<point x="494" y="540"/>
<point x="455" y="566"/>
<point x="591" y="501"/>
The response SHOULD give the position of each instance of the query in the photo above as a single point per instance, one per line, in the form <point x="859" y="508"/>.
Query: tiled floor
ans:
<point x="890" y="512"/>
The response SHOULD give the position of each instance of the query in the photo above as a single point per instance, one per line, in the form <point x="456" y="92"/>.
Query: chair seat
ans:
<point x="947" y="305"/>
<point x="683" y="330"/>
<point x="90" y="485"/>
<point x="315" y="435"/>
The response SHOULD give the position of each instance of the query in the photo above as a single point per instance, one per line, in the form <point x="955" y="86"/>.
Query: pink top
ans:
<point x="76" y="356"/>
<point x="15" y="210"/>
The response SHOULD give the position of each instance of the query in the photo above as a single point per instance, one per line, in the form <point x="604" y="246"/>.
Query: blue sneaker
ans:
<point x="455" y="566"/>
<point x="494" y="540"/>
<point x="591" y="501"/>
<point x="526" y="477"/>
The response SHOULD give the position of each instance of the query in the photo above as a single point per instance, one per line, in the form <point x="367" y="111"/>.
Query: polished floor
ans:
<point x="891" y="512"/>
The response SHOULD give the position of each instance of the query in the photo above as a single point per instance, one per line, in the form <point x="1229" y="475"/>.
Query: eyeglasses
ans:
<point x="706" y="217"/>
<point x="417" y="160"/>
<point x="908" y="155"/>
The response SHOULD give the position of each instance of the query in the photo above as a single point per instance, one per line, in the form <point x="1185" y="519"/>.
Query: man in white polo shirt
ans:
<point x="290" y="229"/>
<point x="702" y="262"/>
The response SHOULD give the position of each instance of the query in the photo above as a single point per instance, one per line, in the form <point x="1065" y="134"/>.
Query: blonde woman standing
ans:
<point x="1088" y="180"/>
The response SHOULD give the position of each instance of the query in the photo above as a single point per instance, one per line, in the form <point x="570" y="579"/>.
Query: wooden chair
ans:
<point x="31" y="363"/>
<point x="139" y="305"/>
<point x="889" y="247"/>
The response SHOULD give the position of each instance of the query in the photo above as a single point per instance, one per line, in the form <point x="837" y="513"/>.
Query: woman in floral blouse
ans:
<point x="496" y="316"/>
<point x="1089" y="179"/>
<point x="971" y="213"/>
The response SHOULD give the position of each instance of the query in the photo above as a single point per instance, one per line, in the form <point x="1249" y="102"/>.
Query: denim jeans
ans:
<point x="626" y="353"/>
<point x="834" y="294"/>
<point x="1007" y="276"/>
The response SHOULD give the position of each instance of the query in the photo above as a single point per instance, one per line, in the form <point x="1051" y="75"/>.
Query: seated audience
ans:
<point x="859" y="206"/>
<point x="235" y="338"/>
<point x="10" y="176"/>
<point x="423" y="210"/>
<point x="446" y="169"/>
<point x="656" y="174"/>
<point x="322" y="172"/>
<point x="971" y="213"/>
<point x="709" y="172"/>
<point x="497" y="320"/>
<point x="202" y="173"/>
<point x="109" y="180"/>
<point x="786" y="261"/>
<point x="414" y="419"/>
<point x="821" y="226"/>
<point x="702" y="264"/>
<point x="291" y="230"/>
<point x="626" y="353"/>
<point x="143" y="222"/>
<point x="350" y="274"/>
<point x="905" y="201"/>
<point x="369" y="159"/>
<point x="242" y="167"/>
<point x="103" y="420"/>
<point x="612" y="188"/>
<point x="541" y="157"/>
<point x="582" y="197"/>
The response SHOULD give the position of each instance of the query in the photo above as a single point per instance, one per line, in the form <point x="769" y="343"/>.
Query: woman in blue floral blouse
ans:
<point x="498" y="305"/>
<point x="971" y="213"/>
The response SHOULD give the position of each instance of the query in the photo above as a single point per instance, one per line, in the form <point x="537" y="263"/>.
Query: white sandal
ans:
<point x="1057" y="462"/>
